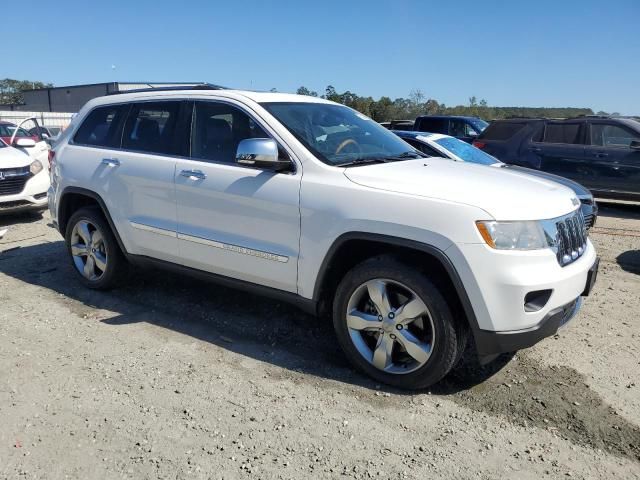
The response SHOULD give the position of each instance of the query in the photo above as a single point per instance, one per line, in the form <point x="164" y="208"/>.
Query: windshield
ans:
<point x="339" y="135"/>
<point x="479" y="124"/>
<point x="466" y="152"/>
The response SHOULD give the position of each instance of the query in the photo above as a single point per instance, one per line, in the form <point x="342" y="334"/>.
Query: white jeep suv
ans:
<point x="314" y="203"/>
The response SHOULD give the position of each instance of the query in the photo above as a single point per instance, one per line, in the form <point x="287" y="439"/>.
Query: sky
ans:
<point x="570" y="53"/>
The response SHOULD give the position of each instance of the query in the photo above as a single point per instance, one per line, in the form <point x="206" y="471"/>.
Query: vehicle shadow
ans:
<point x="10" y="219"/>
<point x="629" y="261"/>
<point x="618" y="209"/>
<point x="238" y="321"/>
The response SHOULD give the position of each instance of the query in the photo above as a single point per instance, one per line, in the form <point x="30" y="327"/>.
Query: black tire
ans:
<point x="115" y="264"/>
<point x="450" y="336"/>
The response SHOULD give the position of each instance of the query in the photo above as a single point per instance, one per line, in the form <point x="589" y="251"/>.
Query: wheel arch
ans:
<point x="354" y="247"/>
<point x="73" y="198"/>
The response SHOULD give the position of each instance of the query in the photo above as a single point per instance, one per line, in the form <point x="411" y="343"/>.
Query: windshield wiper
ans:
<point x="410" y="154"/>
<point x="362" y="161"/>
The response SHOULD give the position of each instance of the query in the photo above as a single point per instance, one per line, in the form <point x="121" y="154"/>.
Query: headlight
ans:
<point x="514" y="235"/>
<point x="35" y="167"/>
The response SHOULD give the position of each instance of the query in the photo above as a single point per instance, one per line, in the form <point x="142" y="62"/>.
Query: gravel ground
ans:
<point x="169" y="377"/>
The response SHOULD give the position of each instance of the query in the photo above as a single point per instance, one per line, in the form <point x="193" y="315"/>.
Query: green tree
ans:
<point x="305" y="91"/>
<point x="11" y="90"/>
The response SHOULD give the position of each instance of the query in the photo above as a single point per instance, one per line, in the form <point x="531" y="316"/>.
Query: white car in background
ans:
<point x="24" y="181"/>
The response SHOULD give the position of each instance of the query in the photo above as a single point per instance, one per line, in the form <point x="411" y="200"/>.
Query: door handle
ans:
<point x="601" y="155"/>
<point x="535" y="149"/>
<point x="194" y="174"/>
<point x="111" y="162"/>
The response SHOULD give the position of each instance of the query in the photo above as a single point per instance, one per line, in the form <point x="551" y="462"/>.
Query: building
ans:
<point x="71" y="98"/>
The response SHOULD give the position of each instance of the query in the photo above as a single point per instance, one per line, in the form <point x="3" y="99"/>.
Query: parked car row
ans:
<point x="601" y="153"/>
<point x="437" y="145"/>
<point x="414" y="258"/>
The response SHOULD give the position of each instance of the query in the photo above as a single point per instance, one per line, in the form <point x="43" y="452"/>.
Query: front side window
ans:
<point x="102" y="127"/>
<point x="217" y="130"/>
<point x="151" y="127"/>
<point x="604" y="135"/>
<point x="457" y="128"/>
<point x="466" y="152"/>
<point x="568" y="133"/>
<point x="426" y="149"/>
<point x="338" y="135"/>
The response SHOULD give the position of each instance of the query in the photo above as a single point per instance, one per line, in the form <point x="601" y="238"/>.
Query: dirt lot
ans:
<point x="172" y="378"/>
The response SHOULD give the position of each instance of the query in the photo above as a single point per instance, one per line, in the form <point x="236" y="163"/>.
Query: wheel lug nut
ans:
<point x="380" y="318"/>
<point x="392" y="315"/>
<point x="393" y="337"/>
<point x="399" y="327"/>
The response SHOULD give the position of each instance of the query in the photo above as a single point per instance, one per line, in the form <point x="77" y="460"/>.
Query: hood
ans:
<point x="505" y="194"/>
<point x="12" y="157"/>
<point x="580" y="191"/>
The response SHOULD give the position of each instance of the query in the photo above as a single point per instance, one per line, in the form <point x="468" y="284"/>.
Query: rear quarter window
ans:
<point x="502" y="131"/>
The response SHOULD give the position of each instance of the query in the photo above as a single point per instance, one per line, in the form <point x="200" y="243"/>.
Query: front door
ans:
<point x="616" y="166"/>
<point x="235" y="221"/>
<point x="560" y="150"/>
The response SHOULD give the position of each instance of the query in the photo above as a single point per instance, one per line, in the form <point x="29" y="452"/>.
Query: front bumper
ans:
<point x="489" y="344"/>
<point x="32" y="197"/>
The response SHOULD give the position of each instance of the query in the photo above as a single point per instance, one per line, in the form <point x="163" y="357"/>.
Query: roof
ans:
<point x="259" y="97"/>
<point x="458" y="117"/>
<point x="142" y="84"/>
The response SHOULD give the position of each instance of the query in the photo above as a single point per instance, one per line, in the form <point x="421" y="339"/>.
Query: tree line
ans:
<point x="11" y="90"/>
<point x="385" y="109"/>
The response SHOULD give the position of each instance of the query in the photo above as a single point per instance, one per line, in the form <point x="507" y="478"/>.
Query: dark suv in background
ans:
<point x="601" y="153"/>
<point x="463" y="128"/>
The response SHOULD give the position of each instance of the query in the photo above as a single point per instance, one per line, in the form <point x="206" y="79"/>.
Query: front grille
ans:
<point x="571" y="238"/>
<point x="13" y="180"/>
<point x="588" y="221"/>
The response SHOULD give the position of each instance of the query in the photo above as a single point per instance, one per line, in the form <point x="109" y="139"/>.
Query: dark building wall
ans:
<point x="64" y="99"/>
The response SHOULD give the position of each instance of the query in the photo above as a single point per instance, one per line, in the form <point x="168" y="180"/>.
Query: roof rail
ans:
<point x="200" y="86"/>
<point x="588" y="116"/>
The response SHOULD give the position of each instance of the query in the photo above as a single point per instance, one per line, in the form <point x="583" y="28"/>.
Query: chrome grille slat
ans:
<point x="571" y="238"/>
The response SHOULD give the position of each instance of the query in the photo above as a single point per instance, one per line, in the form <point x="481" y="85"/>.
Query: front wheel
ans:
<point x="394" y="324"/>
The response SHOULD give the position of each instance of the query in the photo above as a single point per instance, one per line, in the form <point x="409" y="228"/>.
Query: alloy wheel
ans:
<point x="390" y="326"/>
<point x="88" y="250"/>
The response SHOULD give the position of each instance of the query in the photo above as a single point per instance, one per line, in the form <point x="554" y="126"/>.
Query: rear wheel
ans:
<point x="93" y="249"/>
<point x="394" y="324"/>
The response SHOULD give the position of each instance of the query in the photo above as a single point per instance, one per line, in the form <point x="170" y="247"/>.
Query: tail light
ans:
<point x="479" y="144"/>
<point x="52" y="156"/>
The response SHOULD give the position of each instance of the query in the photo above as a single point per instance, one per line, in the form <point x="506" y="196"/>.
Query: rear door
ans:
<point x="127" y="154"/>
<point x="561" y="150"/>
<point x="615" y="166"/>
<point x="233" y="220"/>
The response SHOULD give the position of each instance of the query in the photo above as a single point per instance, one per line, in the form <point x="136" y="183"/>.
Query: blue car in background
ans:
<point x="438" y="145"/>
<point x="463" y="128"/>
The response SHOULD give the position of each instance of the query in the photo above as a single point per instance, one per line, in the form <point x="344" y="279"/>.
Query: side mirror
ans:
<point x="24" y="142"/>
<point x="472" y="134"/>
<point x="261" y="153"/>
<point x="635" y="144"/>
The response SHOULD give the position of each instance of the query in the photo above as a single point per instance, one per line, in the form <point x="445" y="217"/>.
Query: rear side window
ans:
<point x="502" y="130"/>
<point x="151" y="127"/>
<point x="568" y="133"/>
<point x="604" y="135"/>
<point x="433" y="125"/>
<point x="102" y="127"/>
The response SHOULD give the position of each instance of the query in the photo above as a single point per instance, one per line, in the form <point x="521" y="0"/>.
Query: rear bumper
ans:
<point x="490" y="343"/>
